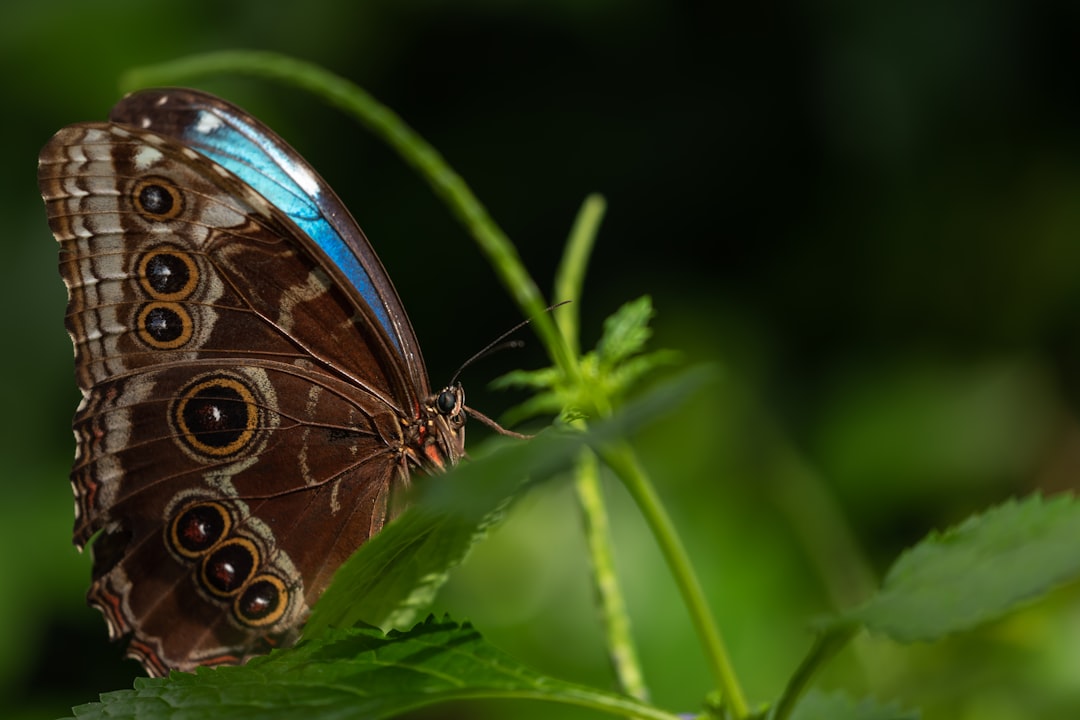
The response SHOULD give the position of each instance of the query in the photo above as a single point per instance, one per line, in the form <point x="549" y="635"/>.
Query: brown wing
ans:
<point x="214" y="357"/>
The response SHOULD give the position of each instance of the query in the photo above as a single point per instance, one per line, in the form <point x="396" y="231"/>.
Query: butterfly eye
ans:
<point x="446" y="402"/>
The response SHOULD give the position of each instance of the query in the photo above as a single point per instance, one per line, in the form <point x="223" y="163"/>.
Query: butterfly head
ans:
<point x="441" y="440"/>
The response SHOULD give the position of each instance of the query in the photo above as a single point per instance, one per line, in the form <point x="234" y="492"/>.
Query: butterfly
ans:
<point x="252" y="389"/>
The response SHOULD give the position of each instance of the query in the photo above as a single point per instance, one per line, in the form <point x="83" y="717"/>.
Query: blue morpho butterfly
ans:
<point x="252" y="387"/>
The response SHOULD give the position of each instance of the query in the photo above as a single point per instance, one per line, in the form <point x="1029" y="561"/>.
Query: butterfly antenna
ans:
<point x="500" y="343"/>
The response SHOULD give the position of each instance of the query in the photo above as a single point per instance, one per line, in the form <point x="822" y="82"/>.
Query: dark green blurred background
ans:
<point x="867" y="213"/>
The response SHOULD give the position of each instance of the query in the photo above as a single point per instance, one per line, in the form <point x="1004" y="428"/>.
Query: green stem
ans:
<point x="417" y="152"/>
<point x="449" y="186"/>
<point x="826" y="645"/>
<point x="616" y="620"/>
<point x="622" y="460"/>
<point x="585" y="699"/>
<point x="570" y="277"/>
<point x="569" y="283"/>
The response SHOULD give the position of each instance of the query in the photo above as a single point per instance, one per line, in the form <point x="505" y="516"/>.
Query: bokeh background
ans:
<point x="867" y="215"/>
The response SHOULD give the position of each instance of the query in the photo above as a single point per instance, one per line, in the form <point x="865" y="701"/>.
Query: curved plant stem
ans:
<point x="621" y="459"/>
<point x="825" y="646"/>
<point x="621" y="650"/>
<point x="569" y="282"/>
<point x="416" y="151"/>
<point x="494" y="243"/>
<point x="570" y="277"/>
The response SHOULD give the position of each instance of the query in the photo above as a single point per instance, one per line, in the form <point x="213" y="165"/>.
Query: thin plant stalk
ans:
<point x="570" y="277"/>
<point x="449" y="186"/>
<point x="616" y="620"/>
<point x="569" y="284"/>
<point x="623" y="462"/>
<point x="417" y="152"/>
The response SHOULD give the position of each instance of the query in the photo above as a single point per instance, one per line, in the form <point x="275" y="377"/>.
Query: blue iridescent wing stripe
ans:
<point x="258" y="157"/>
<point x="257" y="160"/>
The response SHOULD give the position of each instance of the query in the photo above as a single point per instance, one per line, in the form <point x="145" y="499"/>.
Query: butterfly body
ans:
<point x="252" y="388"/>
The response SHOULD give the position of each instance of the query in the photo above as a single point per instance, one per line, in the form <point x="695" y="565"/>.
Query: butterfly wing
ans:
<point x="243" y="416"/>
<point x="265" y="162"/>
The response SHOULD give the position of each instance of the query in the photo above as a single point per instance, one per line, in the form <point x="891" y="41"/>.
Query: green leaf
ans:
<point x="978" y="571"/>
<point x="393" y="576"/>
<point x="532" y="379"/>
<point x="627" y="373"/>
<point x="356" y="673"/>
<point x="838" y="706"/>
<point x="606" y="374"/>
<point x="626" y="331"/>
